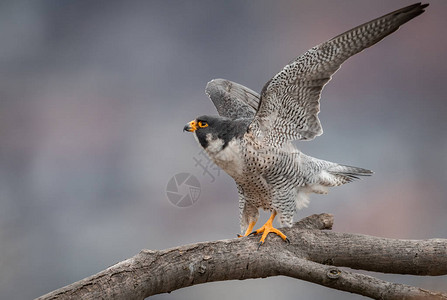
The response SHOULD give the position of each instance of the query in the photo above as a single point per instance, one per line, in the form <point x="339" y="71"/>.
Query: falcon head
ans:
<point x="215" y="132"/>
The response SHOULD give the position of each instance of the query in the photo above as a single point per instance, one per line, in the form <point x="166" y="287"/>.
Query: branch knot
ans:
<point x="333" y="273"/>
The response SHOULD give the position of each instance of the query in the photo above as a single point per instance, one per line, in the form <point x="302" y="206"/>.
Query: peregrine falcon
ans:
<point x="251" y="138"/>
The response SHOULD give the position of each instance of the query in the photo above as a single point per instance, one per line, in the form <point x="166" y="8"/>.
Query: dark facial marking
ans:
<point x="221" y="128"/>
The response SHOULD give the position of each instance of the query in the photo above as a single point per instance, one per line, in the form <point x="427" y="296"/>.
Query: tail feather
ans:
<point x="344" y="174"/>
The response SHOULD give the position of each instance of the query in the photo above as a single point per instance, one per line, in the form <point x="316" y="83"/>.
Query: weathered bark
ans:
<point x="313" y="255"/>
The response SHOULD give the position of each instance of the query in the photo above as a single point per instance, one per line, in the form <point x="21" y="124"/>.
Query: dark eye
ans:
<point x="202" y="124"/>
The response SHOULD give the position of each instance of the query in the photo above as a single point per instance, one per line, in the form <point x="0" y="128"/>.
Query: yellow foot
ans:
<point x="267" y="228"/>
<point x="249" y="229"/>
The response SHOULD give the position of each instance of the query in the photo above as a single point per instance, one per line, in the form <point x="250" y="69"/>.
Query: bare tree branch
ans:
<point x="313" y="255"/>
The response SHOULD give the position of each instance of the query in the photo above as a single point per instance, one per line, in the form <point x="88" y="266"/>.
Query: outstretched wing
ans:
<point x="231" y="99"/>
<point x="290" y="104"/>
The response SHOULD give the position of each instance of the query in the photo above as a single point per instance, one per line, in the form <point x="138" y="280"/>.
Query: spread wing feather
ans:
<point x="231" y="99"/>
<point x="289" y="104"/>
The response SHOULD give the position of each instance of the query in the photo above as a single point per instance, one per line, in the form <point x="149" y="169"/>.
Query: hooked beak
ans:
<point x="191" y="126"/>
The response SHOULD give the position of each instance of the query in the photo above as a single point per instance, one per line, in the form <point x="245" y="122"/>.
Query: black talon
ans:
<point x="238" y="235"/>
<point x="260" y="244"/>
<point x="287" y="241"/>
<point x="253" y="233"/>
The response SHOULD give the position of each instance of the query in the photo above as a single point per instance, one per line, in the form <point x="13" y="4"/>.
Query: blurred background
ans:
<point x="94" y="96"/>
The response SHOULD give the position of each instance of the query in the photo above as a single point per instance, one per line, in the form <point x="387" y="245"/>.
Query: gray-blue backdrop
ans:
<point x="94" y="96"/>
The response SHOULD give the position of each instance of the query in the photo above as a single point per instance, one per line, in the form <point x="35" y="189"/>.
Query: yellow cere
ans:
<point x="192" y="126"/>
